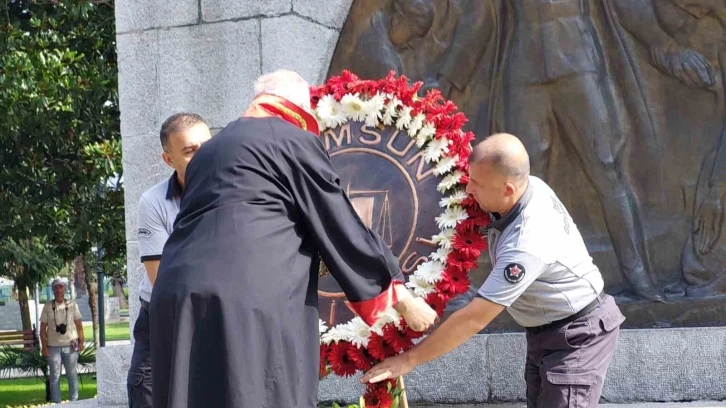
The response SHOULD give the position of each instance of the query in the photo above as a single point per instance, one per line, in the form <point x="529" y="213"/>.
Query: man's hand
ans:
<point x="81" y="344"/>
<point x="45" y="351"/>
<point x="418" y="314"/>
<point x="392" y="367"/>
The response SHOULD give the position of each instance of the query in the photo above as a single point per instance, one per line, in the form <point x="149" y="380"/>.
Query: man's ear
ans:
<point x="167" y="159"/>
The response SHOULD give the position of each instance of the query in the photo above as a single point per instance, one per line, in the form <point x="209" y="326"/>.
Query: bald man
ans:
<point x="544" y="277"/>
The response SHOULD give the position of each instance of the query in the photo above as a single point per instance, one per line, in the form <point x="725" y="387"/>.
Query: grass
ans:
<point x="30" y="391"/>
<point x="114" y="331"/>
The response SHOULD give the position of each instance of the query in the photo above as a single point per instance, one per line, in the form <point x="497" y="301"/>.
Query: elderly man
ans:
<point x="544" y="277"/>
<point x="61" y="337"/>
<point x="234" y="318"/>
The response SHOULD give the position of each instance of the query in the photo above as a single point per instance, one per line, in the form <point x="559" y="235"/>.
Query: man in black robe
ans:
<point x="234" y="310"/>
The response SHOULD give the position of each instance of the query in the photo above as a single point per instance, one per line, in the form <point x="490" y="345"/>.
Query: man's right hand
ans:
<point x="45" y="351"/>
<point x="419" y="316"/>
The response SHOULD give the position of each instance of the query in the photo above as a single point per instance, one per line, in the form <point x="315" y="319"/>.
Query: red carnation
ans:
<point x="378" y="397"/>
<point x="399" y="341"/>
<point x="359" y="358"/>
<point x="470" y="243"/>
<point x="453" y="282"/>
<point x="340" y="361"/>
<point x="378" y="348"/>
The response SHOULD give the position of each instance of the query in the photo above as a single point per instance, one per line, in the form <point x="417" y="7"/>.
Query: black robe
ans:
<point x="234" y="319"/>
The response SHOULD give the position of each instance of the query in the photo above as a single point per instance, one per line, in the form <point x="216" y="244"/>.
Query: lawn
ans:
<point x="114" y="331"/>
<point x="29" y="391"/>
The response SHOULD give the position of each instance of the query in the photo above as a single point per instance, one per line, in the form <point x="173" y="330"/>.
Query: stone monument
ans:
<point x="620" y="102"/>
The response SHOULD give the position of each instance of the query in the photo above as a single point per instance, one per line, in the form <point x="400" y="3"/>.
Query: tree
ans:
<point x="60" y="142"/>
<point x="27" y="262"/>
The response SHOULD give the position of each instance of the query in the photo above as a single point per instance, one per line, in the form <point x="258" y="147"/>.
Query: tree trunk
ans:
<point x="118" y="290"/>
<point x="92" y="290"/>
<point x="79" y="276"/>
<point x="24" y="307"/>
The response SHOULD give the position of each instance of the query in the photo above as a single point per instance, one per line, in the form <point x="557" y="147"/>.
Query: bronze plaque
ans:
<point x="392" y="189"/>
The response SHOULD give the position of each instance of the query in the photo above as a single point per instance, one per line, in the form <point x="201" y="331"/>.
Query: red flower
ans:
<point x="399" y="341"/>
<point x="324" y="350"/>
<point x="412" y="334"/>
<point x="339" y="359"/>
<point x="438" y="302"/>
<point x="378" y="397"/>
<point x="378" y="348"/>
<point x="470" y="243"/>
<point x="460" y="261"/>
<point x="359" y="358"/>
<point x="453" y="282"/>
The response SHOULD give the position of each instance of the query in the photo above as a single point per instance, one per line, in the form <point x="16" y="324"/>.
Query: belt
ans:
<point x="144" y="304"/>
<point x="559" y="323"/>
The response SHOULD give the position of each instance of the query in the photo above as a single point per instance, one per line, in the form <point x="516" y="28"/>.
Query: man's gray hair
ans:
<point x="285" y="84"/>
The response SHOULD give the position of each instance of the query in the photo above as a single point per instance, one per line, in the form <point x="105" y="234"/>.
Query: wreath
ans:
<point x="436" y="126"/>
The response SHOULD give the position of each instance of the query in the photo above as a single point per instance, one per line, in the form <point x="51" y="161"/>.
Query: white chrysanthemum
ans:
<point x="445" y="165"/>
<point x="419" y="286"/>
<point x="354" y="107"/>
<point x="321" y="326"/>
<point x="337" y="117"/>
<point x="450" y="181"/>
<point x="441" y="254"/>
<point x="404" y="118"/>
<point x="435" y="149"/>
<point x="451" y="217"/>
<point x="444" y="239"/>
<point x="389" y="316"/>
<point x="425" y="134"/>
<point x="391" y="110"/>
<point x="416" y="124"/>
<point x="454" y="199"/>
<point x="358" y="332"/>
<point x="429" y="271"/>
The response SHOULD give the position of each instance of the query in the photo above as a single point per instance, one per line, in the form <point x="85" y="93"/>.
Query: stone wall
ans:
<point x="202" y="56"/>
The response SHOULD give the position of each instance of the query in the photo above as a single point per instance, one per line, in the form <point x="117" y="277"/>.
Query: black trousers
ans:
<point x="138" y="381"/>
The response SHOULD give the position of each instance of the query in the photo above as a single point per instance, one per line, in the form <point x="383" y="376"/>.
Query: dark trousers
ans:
<point x="138" y="381"/>
<point x="566" y="364"/>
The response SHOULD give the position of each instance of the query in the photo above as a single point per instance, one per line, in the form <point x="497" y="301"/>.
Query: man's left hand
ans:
<point x="392" y="367"/>
<point x="81" y="345"/>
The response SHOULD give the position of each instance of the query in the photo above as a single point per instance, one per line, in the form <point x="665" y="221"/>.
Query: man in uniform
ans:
<point x="544" y="277"/>
<point x="234" y="310"/>
<point x="181" y="135"/>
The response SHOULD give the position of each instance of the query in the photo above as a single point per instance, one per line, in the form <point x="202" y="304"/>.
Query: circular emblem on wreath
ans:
<point x="402" y="160"/>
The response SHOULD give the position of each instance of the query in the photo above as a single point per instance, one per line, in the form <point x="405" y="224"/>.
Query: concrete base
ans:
<point x="663" y="365"/>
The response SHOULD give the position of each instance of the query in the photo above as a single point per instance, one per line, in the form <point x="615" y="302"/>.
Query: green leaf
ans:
<point x="395" y="402"/>
<point x="335" y="405"/>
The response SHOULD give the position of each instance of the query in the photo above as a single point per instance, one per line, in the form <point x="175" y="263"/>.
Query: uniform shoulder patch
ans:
<point x="514" y="272"/>
<point x="144" y="233"/>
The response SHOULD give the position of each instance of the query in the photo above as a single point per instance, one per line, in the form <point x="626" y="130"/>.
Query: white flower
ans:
<point x="454" y="199"/>
<point x="389" y="316"/>
<point x="444" y="239"/>
<point x="391" y="110"/>
<point x="358" y="332"/>
<point x="416" y="124"/>
<point x="450" y="181"/>
<point x="451" y="217"/>
<point x="354" y="107"/>
<point x="429" y="271"/>
<point x="333" y="335"/>
<point x="419" y="286"/>
<point x="377" y="102"/>
<point x="441" y="254"/>
<point x="404" y="118"/>
<point x="375" y="110"/>
<point x="321" y="326"/>
<point x="445" y="165"/>
<point x="425" y="134"/>
<point x="324" y="110"/>
<point x="435" y="149"/>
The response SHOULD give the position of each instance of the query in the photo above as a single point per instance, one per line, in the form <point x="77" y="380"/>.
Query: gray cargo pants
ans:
<point x="567" y="362"/>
